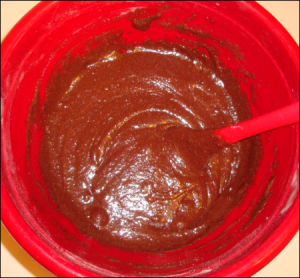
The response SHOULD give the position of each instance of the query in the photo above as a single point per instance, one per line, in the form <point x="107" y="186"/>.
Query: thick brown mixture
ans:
<point x="105" y="157"/>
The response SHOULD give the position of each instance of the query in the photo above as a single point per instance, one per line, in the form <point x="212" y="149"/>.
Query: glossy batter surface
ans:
<point x="107" y="161"/>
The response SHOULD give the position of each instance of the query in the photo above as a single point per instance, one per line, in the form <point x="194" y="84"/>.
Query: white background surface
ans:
<point x="15" y="262"/>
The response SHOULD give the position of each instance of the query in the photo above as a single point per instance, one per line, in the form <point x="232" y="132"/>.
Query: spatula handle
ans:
<point x="284" y="116"/>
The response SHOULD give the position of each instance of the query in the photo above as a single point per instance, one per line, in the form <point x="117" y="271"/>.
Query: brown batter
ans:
<point x="106" y="158"/>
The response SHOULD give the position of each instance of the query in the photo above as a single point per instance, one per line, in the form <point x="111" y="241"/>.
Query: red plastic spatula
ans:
<point x="194" y="147"/>
<point x="281" y="117"/>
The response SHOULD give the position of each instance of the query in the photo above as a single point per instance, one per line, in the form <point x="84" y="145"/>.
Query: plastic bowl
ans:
<point x="239" y="247"/>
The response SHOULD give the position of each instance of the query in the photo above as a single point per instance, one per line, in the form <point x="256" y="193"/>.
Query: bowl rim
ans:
<point x="59" y="265"/>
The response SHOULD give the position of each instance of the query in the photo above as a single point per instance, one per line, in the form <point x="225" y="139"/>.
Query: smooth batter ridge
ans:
<point x="104" y="154"/>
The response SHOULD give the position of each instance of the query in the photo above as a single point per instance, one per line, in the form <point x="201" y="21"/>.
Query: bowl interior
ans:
<point x="268" y="74"/>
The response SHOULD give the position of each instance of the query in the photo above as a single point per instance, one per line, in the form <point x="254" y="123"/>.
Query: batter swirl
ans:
<point x="105" y="158"/>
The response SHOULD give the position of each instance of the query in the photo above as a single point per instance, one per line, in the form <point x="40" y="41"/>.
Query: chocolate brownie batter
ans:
<point x="106" y="156"/>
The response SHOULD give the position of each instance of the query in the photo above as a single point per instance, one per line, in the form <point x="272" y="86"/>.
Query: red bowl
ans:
<point x="30" y="53"/>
